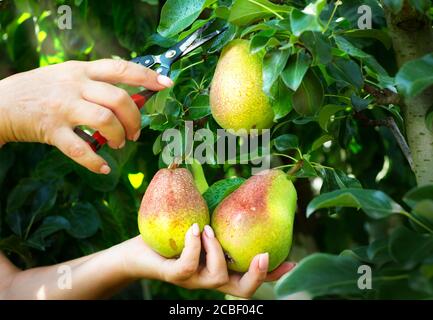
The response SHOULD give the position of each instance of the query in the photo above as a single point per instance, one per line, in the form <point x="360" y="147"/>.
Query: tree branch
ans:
<point x="383" y="96"/>
<point x="412" y="37"/>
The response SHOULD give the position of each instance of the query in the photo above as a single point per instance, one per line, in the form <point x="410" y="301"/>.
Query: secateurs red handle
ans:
<point x="96" y="140"/>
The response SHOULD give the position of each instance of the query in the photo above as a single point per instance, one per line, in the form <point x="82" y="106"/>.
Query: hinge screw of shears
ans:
<point x="170" y="54"/>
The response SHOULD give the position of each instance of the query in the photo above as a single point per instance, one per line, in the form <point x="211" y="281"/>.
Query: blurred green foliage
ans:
<point x="52" y="210"/>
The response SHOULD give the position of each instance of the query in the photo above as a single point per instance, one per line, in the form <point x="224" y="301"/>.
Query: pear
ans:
<point x="257" y="218"/>
<point x="170" y="206"/>
<point x="237" y="99"/>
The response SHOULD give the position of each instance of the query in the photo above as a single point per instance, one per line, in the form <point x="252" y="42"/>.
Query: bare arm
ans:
<point x="96" y="276"/>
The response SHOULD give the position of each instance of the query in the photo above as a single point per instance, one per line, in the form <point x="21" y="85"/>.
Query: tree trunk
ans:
<point x="412" y="37"/>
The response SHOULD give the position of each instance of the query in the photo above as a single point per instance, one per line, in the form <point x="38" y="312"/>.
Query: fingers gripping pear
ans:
<point x="257" y="218"/>
<point x="237" y="99"/>
<point x="169" y="207"/>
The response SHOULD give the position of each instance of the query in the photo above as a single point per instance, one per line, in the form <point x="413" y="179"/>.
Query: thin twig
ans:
<point x="296" y="168"/>
<point x="390" y="123"/>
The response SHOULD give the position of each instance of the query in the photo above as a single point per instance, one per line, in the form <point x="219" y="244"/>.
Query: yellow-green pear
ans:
<point x="170" y="206"/>
<point x="237" y="99"/>
<point x="257" y="218"/>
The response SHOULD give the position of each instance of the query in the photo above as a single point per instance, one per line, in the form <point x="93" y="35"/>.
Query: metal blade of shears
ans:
<point x="202" y="41"/>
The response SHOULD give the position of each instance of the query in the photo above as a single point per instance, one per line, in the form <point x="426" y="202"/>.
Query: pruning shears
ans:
<point x="163" y="63"/>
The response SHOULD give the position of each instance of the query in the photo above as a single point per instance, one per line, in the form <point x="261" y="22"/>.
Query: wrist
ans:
<point x="135" y="260"/>
<point x="118" y="265"/>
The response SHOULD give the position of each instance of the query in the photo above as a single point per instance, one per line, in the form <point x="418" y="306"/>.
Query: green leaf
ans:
<point x="195" y="26"/>
<point x="318" y="143"/>
<point x="308" y="19"/>
<point x="157" y="145"/>
<point x="420" y="5"/>
<point x="123" y="207"/>
<point x="49" y="226"/>
<point x="84" y="220"/>
<point x="321" y="274"/>
<point x="18" y="246"/>
<point x="176" y="15"/>
<point x="122" y="156"/>
<point x="160" y="123"/>
<point x="223" y="39"/>
<point x="307" y="170"/>
<point x="200" y="107"/>
<point x="337" y="179"/>
<point x="346" y="72"/>
<point x="244" y="12"/>
<point x="379" y="35"/>
<point x="349" y="48"/>
<point x="318" y="45"/>
<point x="263" y="39"/>
<point x="199" y="176"/>
<point x="44" y="197"/>
<point x="221" y="189"/>
<point x="408" y="247"/>
<point x="55" y="165"/>
<point x="222" y="13"/>
<point x="273" y="64"/>
<point x="423" y="210"/>
<point x="282" y="100"/>
<point x="157" y="103"/>
<point x="35" y="195"/>
<point x="151" y="2"/>
<point x="358" y="103"/>
<point x="378" y="252"/>
<point x="296" y="69"/>
<point x="327" y="112"/>
<point x="395" y="5"/>
<point x="415" y="76"/>
<point x="420" y="199"/>
<point x="286" y="142"/>
<point x="101" y="182"/>
<point x="308" y="99"/>
<point x="374" y="203"/>
<point x="20" y="45"/>
<point x="257" y="27"/>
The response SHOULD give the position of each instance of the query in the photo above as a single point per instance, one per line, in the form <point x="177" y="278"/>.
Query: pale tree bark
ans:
<point x="412" y="37"/>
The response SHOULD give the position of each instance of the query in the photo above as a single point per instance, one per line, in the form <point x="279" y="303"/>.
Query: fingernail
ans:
<point x="195" y="229"/>
<point x="209" y="232"/>
<point x="263" y="261"/>
<point x="137" y="135"/>
<point x="122" y="144"/>
<point x="165" y="81"/>
<point x="105" y="169"/>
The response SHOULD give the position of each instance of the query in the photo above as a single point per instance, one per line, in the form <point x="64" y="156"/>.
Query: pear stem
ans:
<point x="173" y="165"/>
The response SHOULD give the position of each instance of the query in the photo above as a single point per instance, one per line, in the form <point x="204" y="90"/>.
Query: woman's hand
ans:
<point x="140" y="261"/>
<point x="104" y="273"/>
<point x="46" y="104"/>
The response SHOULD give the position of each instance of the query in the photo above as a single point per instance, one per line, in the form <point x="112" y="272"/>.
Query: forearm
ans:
<point x="97" y="276"/>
